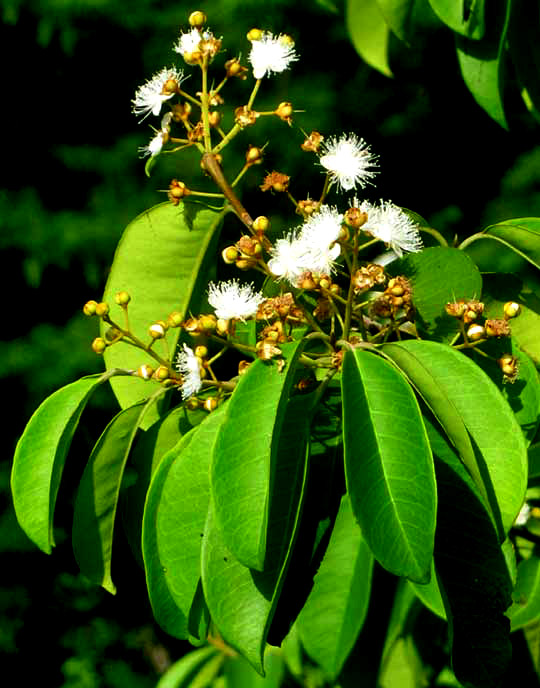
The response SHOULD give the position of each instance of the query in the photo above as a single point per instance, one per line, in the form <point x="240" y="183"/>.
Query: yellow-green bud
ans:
<point x="175" y="319"/>
<point x="207" y="323"/>
<point x="222" y="326"/>
<point x="254" y="35"/>
<point x="156" y="331"/>
<point x="197" y="19"/>
<point x="102" y="309"/>
<point x="89" y="308"/>
<point x="122" y="298"/>
<point x="99" y="345"/>
<point x="192" y="404"/>
<point x="162" y="373"/>
<point x="201" y="351"/>
<point x="210" y="404"/>
<point x="112" y="334"/>
<point x="511" y="309"/>
<point x="261" y="223"/>
<point x="476" y="332"/>
<point x="230" y="255"/>
<point x="145" y="371"/>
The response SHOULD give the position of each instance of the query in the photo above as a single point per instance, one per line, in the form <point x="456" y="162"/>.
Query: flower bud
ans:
<point x="261" y="224"/>
<point x="156" y="331"/>
<point x="222" y="327"/>
<point x="456" y="309"/>
<point x="476" y="332"/>
<point x="177" y="191"/>
<point x="201" y="351"/>
<point x="511" y="310"/>
<point x="284" y="111"/>
<point x="244" y="116"/>
<point x="214" y="118"/>
<point x="112" y="334"/>
<point x="313" y="142"/>
<point x="175" y="319"/>
<point x="122" y="298"/>
<point x="181" y="112"/>
<point x="275" y="181"/>
<point x="145" y="371"/>
<point x="267" y="350"/>
<point x="230" y="255"/>
<point x="208" y="323"/>
<point x="307" y="207"/>
<point x="162" y="373"/>
<point x="197" y="19"/>
<point x="192" y="404"/>
<point x="210" y="404"/>
<point x="99" y="345"/>
<point x="509" y="365"/>
<point x="89" y="308"/>
<point x="245" y="263"/>
<point x="497" y="327"/>
<point x="254" y="156"/>
<point x="354" y="217"/>
<point x="102" y="309"/>
<point x="243" y="366"/>
<point x="233" y="69"/>
<point x="325" y="282"/>
<point x="254" y="35"/>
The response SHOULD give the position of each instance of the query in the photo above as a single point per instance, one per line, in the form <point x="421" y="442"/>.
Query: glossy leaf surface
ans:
<point x="242" y="601"/>
<point x="457" y="278"/>
<point x="335" y="610"/>
<point x="182" y="510"/>
<point x="245" y="455"/>
<point x="166" y="613"/>
<point x="160" y="261"/>
<point x="40" y="457"/>
<point x="466" y="402"/>
<point x="182" y="672"/>
<point x="369" y="33"/>
<point x="97" y="496"/>
<point x="388" y="465"/>
<point x="462" y="16"/>
<point x="526" y="595"/>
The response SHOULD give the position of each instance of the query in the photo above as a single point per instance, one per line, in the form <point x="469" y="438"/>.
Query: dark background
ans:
<point x="71" y="182"/>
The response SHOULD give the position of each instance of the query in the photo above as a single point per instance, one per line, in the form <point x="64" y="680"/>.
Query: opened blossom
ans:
<point x="348" y="161"/>
<point x="389" y="223"/>
<point x="311" y="248"/>
<point x="232" y="300"/>
<point x="270" y="54"/>
<point x="188" y="42"/>
<point x="161" y="87"/>
<point x="187" y="365"/>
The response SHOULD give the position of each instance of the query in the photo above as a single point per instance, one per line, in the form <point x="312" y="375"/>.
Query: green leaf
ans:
<point x="182" y="510"/>
<point x="161" y="261"/>
<point x="465" y="17"/>
<point x="97" y="496"/>
<point x="369" y="33"/>
<point x="182" y="672"/>
<point x="526" y="327"/>
<point x="40" y="457"/>
<point x="240" y="674"/>
<point x="148" y="450"/>
<point x="522" y="235"/>
<point x="524" y="49"/>
<point x="482" y="66"/>
<point x="166" y="613"/>
<point x="466" y="402"/>
<point x="403" y="608"/>
<point x="526" y="607"/>
<point x="457" y="277"/>
<point x="388" y="465"/>
<point x="244" y="462"/>
<point x="399" y="15"/>
<point x="473" y="578"/>
<point x="241" y="601"/>
<point x="336" y="608"/>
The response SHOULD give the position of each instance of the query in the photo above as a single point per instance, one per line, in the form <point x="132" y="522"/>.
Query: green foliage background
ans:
<point x="71" y="182"/>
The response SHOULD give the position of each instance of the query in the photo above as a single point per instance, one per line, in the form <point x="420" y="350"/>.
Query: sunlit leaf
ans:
<point x="245" y="455"/>
<point x="336" y="608"/>
<point x="240" y="674"/>
<point x="466" y="402"/>
<point x="241" y="601"/>
<point x="482" y="65"/>
<point x="161" y="261"/>
<point x="369" y="33"/>
<point x="526" y="595"/>
<point x="97" y="497"/>
<point x="165" y="610"/>
<point x="388" y="465"/>
<point x="40" y="457"/>
<point x="457" y="278"/>
<point x="463" y="16"/>
<point x="181" y="673"/>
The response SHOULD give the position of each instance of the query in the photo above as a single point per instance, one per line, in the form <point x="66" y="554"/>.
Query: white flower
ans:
<point x="188" y="366"/>
<point x="524" y="515"/>
<point x="155" y="145"/>
<point x="287" y="257"/>
<point x="270" y="54"/>
<point x="150" y="96"/>
<point x="387" y="222"/>
<point x="233" y="300"/>
<point x="311" y="247"/>
<point x="348" y="160"/>
<point x="188" y="42"/>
